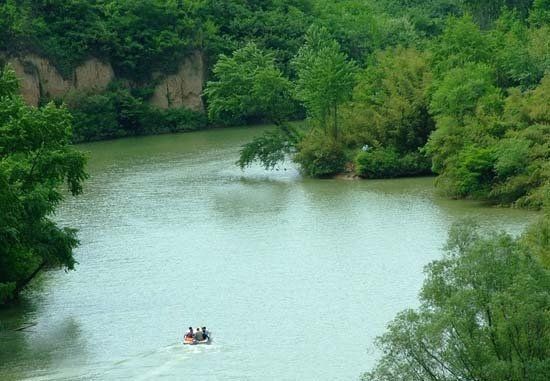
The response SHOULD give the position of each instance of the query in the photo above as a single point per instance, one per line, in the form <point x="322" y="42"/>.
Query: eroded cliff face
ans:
<point x="29" y="82"/>
<point x="184" y="88"/>
<point x="93" y="75"/>
<point x="40" y="79"/>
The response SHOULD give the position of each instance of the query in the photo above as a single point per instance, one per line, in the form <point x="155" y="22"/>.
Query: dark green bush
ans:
<point x="94" y="118"/>
<point x="377" y="163"/>
<point x="471" y="174"/>
<point x="415" y="164"/>
<point x="319" y="156"/>
<point x="118" y="113"/>
<point x="175" y="120"/>
<point x="386" y="163"/>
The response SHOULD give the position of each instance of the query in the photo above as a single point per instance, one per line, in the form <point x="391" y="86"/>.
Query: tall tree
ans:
<point x="325" y="78"/>
<point x="390" y="102"/>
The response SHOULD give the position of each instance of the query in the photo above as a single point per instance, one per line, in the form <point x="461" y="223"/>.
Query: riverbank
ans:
<point x="348" y="175"/>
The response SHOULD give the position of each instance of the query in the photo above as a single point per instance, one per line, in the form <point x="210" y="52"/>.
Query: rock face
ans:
<point x="28" y="81"/>
<point x="40" y="79"/>
<point x="184" y="88"/>
<point x="93" y="74"/>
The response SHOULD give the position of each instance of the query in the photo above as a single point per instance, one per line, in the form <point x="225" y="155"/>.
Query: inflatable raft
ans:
<point x="192" y="341"/>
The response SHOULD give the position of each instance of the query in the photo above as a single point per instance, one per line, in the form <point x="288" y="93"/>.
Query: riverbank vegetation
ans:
<point x="462" y="92"/>
<point x="36" y="159"/>
<point x="121" y="112"/>
<point x="388" y="89"/>
<point x="483" y="315"/>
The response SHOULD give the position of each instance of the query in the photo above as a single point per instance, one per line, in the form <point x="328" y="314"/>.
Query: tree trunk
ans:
<point x="22" y="284"/>
<point x="335" y="116"/>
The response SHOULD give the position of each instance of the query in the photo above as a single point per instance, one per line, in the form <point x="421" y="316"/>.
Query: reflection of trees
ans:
<point x="250" y="197"/>
<point x="341" y="193"/>
<point x="39" y="348"/>
<point x="510" y="219"/>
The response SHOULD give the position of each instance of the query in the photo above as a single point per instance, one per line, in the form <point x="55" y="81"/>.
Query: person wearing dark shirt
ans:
<point x="198" y="335"/>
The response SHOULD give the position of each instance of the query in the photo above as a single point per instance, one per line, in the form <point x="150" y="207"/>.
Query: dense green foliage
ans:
<point x="120" y="112"/>
<point x="491" y="140"/>
<point x="35" y="160"/>
<point x="324" y="79"/>
<point x="142" y="36"/>
<point x="136" y="36"/>
<point x="489" y="143"/>
<point x="391" y="98"/>
<point x="319" y="156"/>
<point x="484" y="313"/>
<point x="382" y="163"/>
<point x="389" y="112"/>
<point x="248" y="87"/>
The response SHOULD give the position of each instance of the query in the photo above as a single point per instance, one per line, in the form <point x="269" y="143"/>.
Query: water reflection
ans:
<point x="249" y="197"/>
<point x="39" y="349"/>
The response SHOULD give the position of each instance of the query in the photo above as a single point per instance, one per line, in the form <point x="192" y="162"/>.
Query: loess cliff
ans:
<point x="39" y="79"/>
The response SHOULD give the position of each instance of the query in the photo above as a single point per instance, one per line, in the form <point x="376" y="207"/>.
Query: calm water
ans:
<point x="294" y="277"/>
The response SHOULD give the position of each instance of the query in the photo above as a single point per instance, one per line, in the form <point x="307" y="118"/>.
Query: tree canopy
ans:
<point x="248" y="86"/>
<point x="36" y="158"/>
<point x="325" y="78"/>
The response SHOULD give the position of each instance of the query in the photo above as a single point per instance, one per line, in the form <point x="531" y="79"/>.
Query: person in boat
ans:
<point x="189" y="334"/>
<point x="205" y="333"/>
<point x="198" y="335"/>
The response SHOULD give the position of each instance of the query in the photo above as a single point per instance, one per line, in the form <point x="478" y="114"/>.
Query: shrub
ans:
<point x="174" y="120"/>
<point x="387" y="163"/>
<point x="415" y="164"/>
<point x="472" y="173"/>
<point x="94" y="117"/>
<point x="319" y="156"/>
<point x="378" y="163"/>
<point x="118" y="113"/>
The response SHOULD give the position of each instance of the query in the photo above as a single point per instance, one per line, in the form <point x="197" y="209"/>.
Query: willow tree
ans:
<point x="36" y="158"/>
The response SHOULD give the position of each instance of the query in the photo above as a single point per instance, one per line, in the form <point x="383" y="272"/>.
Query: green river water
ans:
<point x="294" y="277"/>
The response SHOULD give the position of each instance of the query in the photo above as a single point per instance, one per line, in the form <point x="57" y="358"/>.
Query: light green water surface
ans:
<point x="295" y="277"/>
